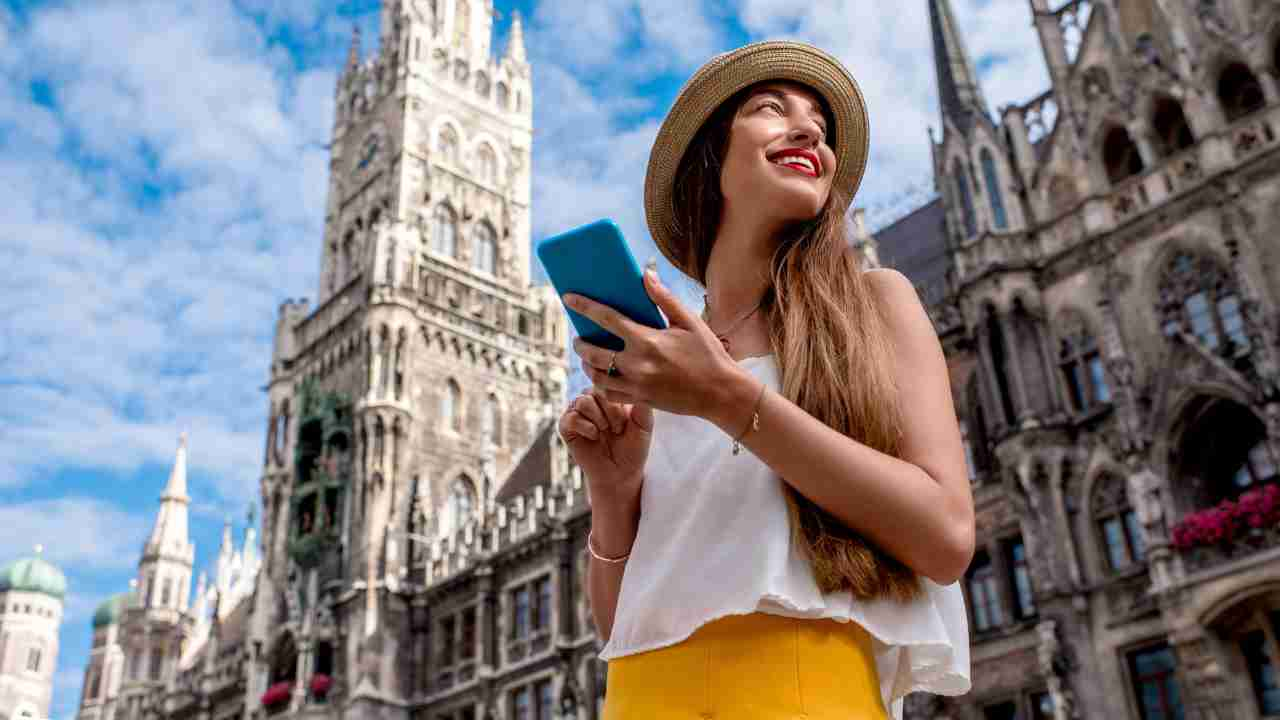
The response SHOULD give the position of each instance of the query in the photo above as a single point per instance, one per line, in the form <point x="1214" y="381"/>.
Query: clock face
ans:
<point x="368" y="153"/>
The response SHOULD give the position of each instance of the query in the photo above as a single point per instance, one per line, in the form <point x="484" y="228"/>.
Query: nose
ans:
<point x="805" y="130"/>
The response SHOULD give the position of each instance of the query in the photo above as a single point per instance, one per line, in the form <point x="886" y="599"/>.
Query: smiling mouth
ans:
<point x="798" y="163"/>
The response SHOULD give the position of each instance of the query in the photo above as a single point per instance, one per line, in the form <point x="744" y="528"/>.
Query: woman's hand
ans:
<point x="682" y="369"/>
<point x="608" y="440"/>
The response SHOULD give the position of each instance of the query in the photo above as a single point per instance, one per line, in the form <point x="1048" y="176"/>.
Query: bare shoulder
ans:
<point x="908" y="322"/>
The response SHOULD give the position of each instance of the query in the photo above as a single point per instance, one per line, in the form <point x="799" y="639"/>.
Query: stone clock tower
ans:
<point x="401" y="400"/>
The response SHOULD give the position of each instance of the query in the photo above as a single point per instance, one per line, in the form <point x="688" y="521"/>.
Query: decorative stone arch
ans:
<point x="444" y="129"/>
<point x="1077" y="359"/>
<point x="1221" y="597"/>
<point x="484" y="138"/>
<point x="283" y="663"/>
<point x="1106" y="477"/>
<point x="1167" y="120"/>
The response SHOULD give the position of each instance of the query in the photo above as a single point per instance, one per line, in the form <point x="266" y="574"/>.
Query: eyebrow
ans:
<point x="814" y="108"/>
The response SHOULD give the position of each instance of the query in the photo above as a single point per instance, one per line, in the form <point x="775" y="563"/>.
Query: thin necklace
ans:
<point x="724" y="336"/>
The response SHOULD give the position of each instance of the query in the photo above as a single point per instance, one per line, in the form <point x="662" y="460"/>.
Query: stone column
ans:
<point x="303" y="670"/>
<point x="1057" y="478"/>
<point x="989" y="386"/>
<point x="1058" y="403"/>
<point x="1021" y="408"/>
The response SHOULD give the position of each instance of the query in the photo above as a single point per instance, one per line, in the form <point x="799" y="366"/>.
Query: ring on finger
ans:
<point x="613" y="370"/>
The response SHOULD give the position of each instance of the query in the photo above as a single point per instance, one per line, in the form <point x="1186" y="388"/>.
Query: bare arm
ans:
<point x="918" y="508"/>
<point x="615" y="518"/>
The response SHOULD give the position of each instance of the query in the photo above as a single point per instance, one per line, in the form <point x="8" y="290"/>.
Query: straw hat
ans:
<point x="717" y="81"/>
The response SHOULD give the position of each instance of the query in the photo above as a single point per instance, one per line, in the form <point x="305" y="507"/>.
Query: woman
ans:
<point x="815" y="575"/>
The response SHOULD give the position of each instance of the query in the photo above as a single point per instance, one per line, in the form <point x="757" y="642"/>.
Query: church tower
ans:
<point x="402" y="399"/>
<point x="153" y="628"/>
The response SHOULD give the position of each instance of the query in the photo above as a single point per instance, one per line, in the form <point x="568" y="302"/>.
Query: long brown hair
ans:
<point x="828" y="333"/>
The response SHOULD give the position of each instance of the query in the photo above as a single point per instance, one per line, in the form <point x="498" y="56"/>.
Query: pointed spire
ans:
<point x="170" y="532"/>
<point x="202" y="597"/>
<point x="177" y="485"/>
<point x="353" y="52"/>
<point x="515" y="44"/>
<point x="959" y="94"/>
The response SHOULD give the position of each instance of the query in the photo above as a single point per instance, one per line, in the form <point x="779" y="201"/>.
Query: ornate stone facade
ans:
<point x="1111" y="273"/>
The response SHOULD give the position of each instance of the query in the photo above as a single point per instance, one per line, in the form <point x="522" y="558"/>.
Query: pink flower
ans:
<point x="320" y="684"/>
<point x="277" y="693"/>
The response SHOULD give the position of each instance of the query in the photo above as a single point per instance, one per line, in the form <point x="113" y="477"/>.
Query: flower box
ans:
<point x="320" y="685"/>
<point x="277" y="694"/>
<point x="1246" y="520"/>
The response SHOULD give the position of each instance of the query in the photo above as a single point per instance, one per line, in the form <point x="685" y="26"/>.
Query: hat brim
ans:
<point x="720" y="79"/>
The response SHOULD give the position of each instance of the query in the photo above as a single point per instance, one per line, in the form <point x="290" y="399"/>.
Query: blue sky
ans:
<point x="164" y="178"/>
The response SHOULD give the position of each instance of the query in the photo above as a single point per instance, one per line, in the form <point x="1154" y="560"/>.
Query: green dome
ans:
<point x="33" y="574"/>
<point x="109" y="612"/>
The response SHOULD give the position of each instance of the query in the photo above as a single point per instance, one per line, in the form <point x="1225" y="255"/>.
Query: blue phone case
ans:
<point x="594" y="261"/>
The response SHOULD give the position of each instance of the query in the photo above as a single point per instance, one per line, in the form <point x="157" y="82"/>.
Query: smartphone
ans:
<point x="595" y="262"/>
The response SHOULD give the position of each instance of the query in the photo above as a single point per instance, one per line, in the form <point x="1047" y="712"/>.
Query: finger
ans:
<point x="604" y="316"/>
<point x="583" y="427"/>
<point x="615" y="412"/>
<point x="587" y="407"/>
<point x="642" y="416"/>
<point x="667" y="302"/>
<point x="604" y="381"/>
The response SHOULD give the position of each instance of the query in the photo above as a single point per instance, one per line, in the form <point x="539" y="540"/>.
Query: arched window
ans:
<point x="504" y="95"/>
<point x="447" y="145"/>
<point x="961" y="180"/>
<point x="451" y="407"/>
<point x="444" y="231"/>
<point x="1198" y="297"/>
<point x="482" y="84"/>
<point x="484" y="253"/>
<point x="975" y="430"/>
<point x="992" y="177"/>
<point x="1120" y="155"/>
<point x="1170" y="127"/>
<point x="1221" y="453"/>
<point x="984" y="593"/>
<point x="1000" y="358"/>
<point x="489" y="424"/>
<point x="1081" y="364"/>
<point x="1239" y="91"/>
<point x="1117" y="525"/>
<point x="462" y="502"/>
<point x="487" y="164"/>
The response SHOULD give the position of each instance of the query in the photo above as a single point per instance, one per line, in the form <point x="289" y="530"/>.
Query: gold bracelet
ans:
<point x="755" y="420"/>
<point x="591" y="549"/>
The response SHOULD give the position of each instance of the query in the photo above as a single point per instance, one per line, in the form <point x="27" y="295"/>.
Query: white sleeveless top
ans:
<point x="714" y="540"/>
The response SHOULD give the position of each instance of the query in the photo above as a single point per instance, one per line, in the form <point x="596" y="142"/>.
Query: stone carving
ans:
<point x="1054" y="667"/>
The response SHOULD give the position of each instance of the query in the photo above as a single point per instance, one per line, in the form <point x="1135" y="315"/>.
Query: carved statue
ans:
<point x="1144" y="494"/>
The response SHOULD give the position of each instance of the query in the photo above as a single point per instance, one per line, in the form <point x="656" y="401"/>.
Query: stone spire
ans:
<point x="353" y="51"/>
<point x="249" y="551"/>
<point x="515" y="44"/>
<point x="959" y="94"/>
<point x="226" y="553"/>
<point x="170" y="531"/>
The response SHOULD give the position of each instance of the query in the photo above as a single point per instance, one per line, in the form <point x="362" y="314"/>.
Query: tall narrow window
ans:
<point x="984" y="593"/>
<point x="1020" y="575"/>
<point x="448" y="648"/>
<point x="504" y="95"/>
<point x="487" y="164"/>
<point x="961" y="180"/>
<point x="542" y="613"/>
<point x="451" y="407"/>
<point x="166" y="590"/>
<point x="489" y="428"/>
<point x="468" y="650"/>
<point x="1081" y="365"/>
<point x="520" y="612"/>
<point x="546" y="707"/>
<point x="1198" y="297"/>
<point x="1000" y="358"/>
<point x="992" y="177"/>
<point x="447" y="145"/>
<point x="484" y="254"/>
<point x="1117" y="524"/>
<point x="1154" y="683"/>
<point x="444" y="231"/>
<point x="95" y="684"/>
<point x="462" y="503"/>
<point x="33" y="660"/>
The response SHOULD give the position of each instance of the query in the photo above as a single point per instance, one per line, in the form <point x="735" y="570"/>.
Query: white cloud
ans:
<point x="75" y="532"/>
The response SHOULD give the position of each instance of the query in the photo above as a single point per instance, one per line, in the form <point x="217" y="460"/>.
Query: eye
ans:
<point x="773" y="104"/>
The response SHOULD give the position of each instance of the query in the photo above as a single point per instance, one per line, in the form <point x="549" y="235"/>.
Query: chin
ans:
<point x="799" y="207"/>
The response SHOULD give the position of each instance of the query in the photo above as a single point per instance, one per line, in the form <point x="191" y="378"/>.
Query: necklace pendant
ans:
<point x="724" y="341"/>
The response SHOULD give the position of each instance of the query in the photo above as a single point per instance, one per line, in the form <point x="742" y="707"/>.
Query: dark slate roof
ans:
<point x="916" y="246"/>
<point x="533" y="468"/>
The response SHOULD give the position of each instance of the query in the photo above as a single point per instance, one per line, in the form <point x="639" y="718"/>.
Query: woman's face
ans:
<point x="778" y="158"/>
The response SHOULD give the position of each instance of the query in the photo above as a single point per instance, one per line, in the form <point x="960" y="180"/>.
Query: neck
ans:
<point x="738" y="269"/>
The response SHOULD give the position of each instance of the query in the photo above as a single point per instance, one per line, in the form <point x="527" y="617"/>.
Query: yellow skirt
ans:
<point x="751" y="667"/>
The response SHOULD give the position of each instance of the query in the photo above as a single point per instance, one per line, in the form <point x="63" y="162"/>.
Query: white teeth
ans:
<point x="797" y="160"/>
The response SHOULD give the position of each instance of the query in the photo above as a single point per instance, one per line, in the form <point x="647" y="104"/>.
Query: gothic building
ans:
<point x="153" y="642"/>
<point x="1102" y="267"/>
